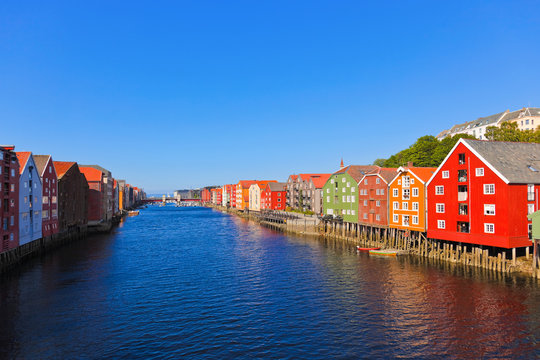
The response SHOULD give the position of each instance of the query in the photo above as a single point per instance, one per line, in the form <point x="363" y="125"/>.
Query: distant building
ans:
<point x="49" y="182"/>
<point x="255" y="194"/>
<point x="527" y="119"/>
<point x="72" y="195"/>
<point x="304" y="191"/>
<point x="96" y="188"/>
<point x="107" y="192"/>
<point x="30" y="199"/>
<point x="373" y="196"/>
<point x="9" y="205"/>
<point x="273" y="196"/>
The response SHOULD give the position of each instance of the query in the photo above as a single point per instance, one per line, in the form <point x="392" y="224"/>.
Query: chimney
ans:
<point x="341" y="166"/>
<point x="409" y="164"/>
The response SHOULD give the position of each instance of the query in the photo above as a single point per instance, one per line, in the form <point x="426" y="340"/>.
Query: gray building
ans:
<point x="304" y="191"/>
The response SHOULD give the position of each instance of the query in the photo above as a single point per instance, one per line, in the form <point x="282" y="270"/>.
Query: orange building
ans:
<point x="407" y="198"/>
<point x="242" y="194"/>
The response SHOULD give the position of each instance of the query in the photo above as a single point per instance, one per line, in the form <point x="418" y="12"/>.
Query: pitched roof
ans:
<point x="514" y="161"/>
<point x="91" y="173"/>
<point x="388" y="174"/>
<point x="357" y="171"/>
<point x="294" y="177"/>
<point x="422" y="173"/>
<point x="62" y="167"/>
<point x="262" y="183"/>
<point x="276" y="186"/>
<point x="23" y="157"/>
<point x="102" y="169"/>
<point x="246" y="183"/>
<point x="41" y="162"/>
<point x="320" y="180"/>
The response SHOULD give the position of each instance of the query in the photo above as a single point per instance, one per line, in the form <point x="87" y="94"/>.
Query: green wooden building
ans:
<point x="340" y="193"/>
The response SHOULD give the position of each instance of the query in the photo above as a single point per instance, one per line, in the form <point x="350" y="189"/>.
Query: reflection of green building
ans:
<point x="340" y="193"/>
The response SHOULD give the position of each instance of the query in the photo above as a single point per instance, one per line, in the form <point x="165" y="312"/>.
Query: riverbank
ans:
<point x="414" y="244"/>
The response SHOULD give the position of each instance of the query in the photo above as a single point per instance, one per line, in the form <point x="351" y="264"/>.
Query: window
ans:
<point x="415" y="192"/>
<point x="378" y="203"/>
<point x="396" y="205"/>
<point x="342" y="189"/>
<point x="328" y="199"/>
<point x="445" y="174"/>
<point x="377" y="181"/>
<point x="348" y="212"/>
<point x="399" y="182"/>
<point x="441" y="224"/>
<point x="405" y="220"/>
<point x="396" y="218"/>
<point x="530" y="192"/>
<point x="365" y="181"/>
<point x="395" y="192"/>
<point x="45" y="199"/>
<point x="331" y="181"/>
<point x="378" y="217"/>
<point x="352" y="212"/>
<point x="54" y="199"/>
<point x="489" y="189"/>
<point x="50" y="169"/>
<point x="382" y="191"/>
<point x="415" y="206"/>
<point x="45" y="214"/>
<point x="461" y="159"/>
<point x="348" y="184"/>
<point x="406" y="181"/>
<point x="406" y="194"/>
<point x="462" y="175"/>
<point x="440" y="208"/>
<point x="348" y="198"/>
<point x="489" y="228"/>
<point x="415" y="220"/>
<point x="479" y="171"/>
<point x="342" y="179"/>
<point x="12" y="220"/>
<point x="353" y="198"/>
<point x="344" y="198"/>
<point x="463" y="209"/>
<point x="530" y="208"/>
<point x="365" y="215"/>
<point x="353" y="189"/>
<point x="343" y="212"/>
<point x="439" y="190"/>
<point x="13" y="172"/>
<point x="489" y="209"/>
<point x="26" y="199"/>
<point x="365" y="202"/>
<point x="405" y="205"/>
<point x="328" y="190"/>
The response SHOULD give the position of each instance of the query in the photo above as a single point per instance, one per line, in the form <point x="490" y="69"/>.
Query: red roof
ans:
<point x="62" y="167"/>
<point x="23" y="157"/>
<point x="294" y="177"/>
<point x="91" y="174"/>
<point x="320" y="180"/>
<point x="246" y="183"/>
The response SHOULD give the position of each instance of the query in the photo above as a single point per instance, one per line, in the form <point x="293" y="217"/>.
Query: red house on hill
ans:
<point x="96" y="187"/>
<point x="274" y="196"/>
<point x="482" y="192"/>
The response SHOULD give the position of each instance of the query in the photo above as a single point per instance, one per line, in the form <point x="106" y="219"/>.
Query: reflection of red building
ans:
<point x="482" y="192"/>
<point x="49" y="179"/>
<point x="9" y="193"/>
<point x="373" y="196"/>
<point x="274" y="196"/>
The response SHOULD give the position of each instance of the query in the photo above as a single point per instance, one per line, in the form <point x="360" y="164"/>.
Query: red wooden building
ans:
<point x="96" y="187"/>
<point x="373" y="196"/>
<point x="233" y="196"/>
<point x="217" y="196"/>
<point x="49" y="180"/>
<point x="274" y="196"/>
<point x="9" y="204"/>
<point x="206" y="195"/>
<point x="482" y="192"/>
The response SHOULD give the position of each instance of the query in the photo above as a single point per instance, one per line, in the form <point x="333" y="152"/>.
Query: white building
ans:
<point x="30" y="199"/>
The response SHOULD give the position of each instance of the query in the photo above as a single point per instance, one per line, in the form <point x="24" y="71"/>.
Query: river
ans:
<point x="196" y="283"/>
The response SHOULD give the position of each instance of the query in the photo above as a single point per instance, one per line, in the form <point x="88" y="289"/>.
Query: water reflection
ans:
<point x="190" y="283"/>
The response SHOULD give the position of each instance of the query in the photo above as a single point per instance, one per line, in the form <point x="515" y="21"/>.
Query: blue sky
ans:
<point x="186" y="94"/>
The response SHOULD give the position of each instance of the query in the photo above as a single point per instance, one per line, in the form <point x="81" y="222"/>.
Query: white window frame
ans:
<point x="445" y="174"/>
<point x="415" y="205"/>
<point x="530" y="208"/>
<point x="415" y="220"/>
<point x="441" y="224"/>
<point x="395" y="193"/>
<point x="396" y="218"/>
<point x="439" y="208"/>
<point x="489" y="228"/>
<point x="395" y="205"/>
<point x="489" y="209"/>
<point x="479" y="171"/>
<point x="405" y="205"/>
<point x="489" y="189"/>
<point x="415" y="192"/>
<point x="439" y="190"/>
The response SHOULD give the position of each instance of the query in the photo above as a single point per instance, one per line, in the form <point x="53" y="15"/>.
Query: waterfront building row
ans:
<point x="42" y="197"/>
<point x="480" y="194"/>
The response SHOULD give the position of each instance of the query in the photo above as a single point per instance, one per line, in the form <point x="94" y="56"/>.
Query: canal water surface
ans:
<point x="196" y="283"/>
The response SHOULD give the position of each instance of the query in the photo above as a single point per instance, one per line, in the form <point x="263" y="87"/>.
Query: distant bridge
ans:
<point x="168" y="199"/>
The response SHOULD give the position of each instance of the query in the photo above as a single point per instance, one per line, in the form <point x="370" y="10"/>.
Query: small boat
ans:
<point x="366" y="249"/>
<point x="133" y="213"/>
<point x="385" y="252"/>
